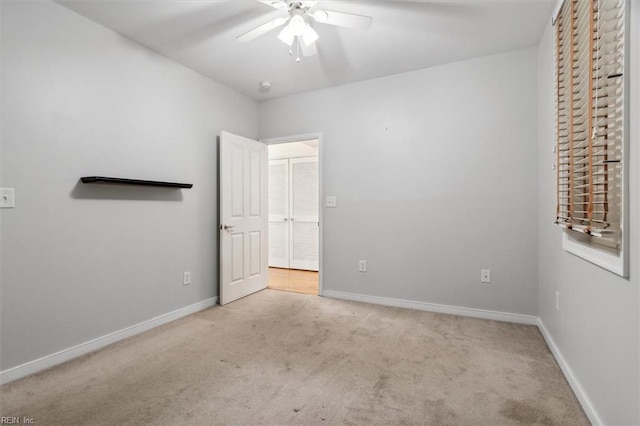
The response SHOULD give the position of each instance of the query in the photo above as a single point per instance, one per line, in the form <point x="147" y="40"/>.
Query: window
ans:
<point x="592" y="130"/>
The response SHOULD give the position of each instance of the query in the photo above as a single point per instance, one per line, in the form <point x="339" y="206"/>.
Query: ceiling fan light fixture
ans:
<point x="296" y="31"/>
<point x="309" y="36"/>
<point x="297" y="25"/>
<point x="286" y="36"/>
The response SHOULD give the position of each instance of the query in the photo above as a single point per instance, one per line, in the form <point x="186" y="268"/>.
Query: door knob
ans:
<point x="228" y="227"/>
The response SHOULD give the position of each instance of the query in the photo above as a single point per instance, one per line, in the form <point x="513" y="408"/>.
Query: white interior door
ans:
<point x="243" y="217"/>
<point x="304" y="226"/>
<point x="279" y="213"/>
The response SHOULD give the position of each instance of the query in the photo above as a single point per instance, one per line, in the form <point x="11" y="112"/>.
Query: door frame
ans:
<point x="304" y="137"/>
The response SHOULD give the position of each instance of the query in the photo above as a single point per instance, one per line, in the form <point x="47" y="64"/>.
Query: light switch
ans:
<point x="332" y="201"/>
<point x="7" y="198"/>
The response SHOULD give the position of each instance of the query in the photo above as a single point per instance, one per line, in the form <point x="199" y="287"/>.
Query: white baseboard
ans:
<point x="434" y="307"/>
<point x="45" y="362"/>
<point x="578" y="390"/>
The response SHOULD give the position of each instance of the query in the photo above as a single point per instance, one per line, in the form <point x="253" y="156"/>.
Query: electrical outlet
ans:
<point x="362" y="266"/>
<point x="485" y="275"/>
<point x="332" y="201"/>
<point x="186" y="278"/>
<point x="7" y="198"/>
<point x="557" y="301"/>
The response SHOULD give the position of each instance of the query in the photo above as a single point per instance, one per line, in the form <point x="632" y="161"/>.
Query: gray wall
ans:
<point x="83" y="261"/>
<point x="435" y="174"/>
<point x="596" y="329"/>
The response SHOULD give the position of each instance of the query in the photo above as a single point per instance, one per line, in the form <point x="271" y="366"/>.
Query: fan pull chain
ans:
<point x="298" y="49"/>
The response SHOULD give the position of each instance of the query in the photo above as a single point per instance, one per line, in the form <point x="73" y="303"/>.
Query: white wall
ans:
<point x="293" y="150"/>
<point x="435" y="174"/>
<point x="82" y="261"/>
<point x="596" y="329"/>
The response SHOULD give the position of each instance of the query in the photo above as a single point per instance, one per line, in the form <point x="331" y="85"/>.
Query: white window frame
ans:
<point x="589" y="251"/>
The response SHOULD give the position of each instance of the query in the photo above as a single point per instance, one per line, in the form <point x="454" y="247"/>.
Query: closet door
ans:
<point x="279" y="213"/>
<point x="303" y="184"/>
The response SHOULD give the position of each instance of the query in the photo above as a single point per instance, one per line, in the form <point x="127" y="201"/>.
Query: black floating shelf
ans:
<point x="137" y="182"/>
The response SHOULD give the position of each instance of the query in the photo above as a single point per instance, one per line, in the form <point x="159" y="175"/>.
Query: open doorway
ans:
<point x="294" y="215"/>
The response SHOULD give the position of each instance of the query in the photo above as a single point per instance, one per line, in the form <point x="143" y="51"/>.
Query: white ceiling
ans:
<point x="405" y="36"/>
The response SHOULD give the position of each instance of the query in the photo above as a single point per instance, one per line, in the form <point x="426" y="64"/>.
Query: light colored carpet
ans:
<point x="286" y="358"/>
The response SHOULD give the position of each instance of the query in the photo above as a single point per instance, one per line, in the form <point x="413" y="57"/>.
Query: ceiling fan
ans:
<point x="298" y="34"/>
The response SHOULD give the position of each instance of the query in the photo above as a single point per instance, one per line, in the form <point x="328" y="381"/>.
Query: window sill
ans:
<point x="581" y="246"/>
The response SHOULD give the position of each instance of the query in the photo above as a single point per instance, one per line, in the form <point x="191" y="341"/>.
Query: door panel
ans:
<point x="237" y="253"/>
<point x="303" y="178"/>
<point x="255" y="261"/>
<point x="279" y="213"/>
<point x="279" y="244"/>
<point x="255" y="195"/>
<point x="237" y="178"/>
<point x="304" y="187"/>
<point x="278" y="188"/>
<point x="243" y="217"/>
<point x="304" y="250"/>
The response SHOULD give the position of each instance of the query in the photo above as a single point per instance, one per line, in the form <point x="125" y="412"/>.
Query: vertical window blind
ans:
<point x="590" y="55"/>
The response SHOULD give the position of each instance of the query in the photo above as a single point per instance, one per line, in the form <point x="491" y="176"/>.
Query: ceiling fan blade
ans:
<point x="308" y="49"/>
<point x="276" y="4"/>
<point x="308" y="4"/>
<point x="341" y="19"/>
<point x="262" y="29"/>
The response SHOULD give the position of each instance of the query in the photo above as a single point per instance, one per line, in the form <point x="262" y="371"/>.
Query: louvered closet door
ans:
<point x="279" y="213"/>
<point x="304" y="235"/>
